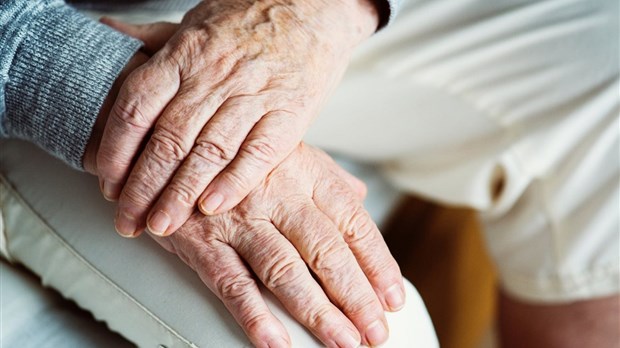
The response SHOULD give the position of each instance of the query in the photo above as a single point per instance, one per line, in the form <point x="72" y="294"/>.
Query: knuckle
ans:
<point x="283" y="271"/>
<point x="129" y="111"/>
<point x="191" y="37"/>
<point x="358" y="227"/>
<point x="184" y="192"/>
<point x="319" y="316"/>
<point x="213" y="153"/>
<point x="189" y="43"/>
<point x="235" y="288"/>
<point x="260" y="150"/>
<point x="167" y="147"/>
<point x="329" y="256"/>
<point x="133" y="198"/>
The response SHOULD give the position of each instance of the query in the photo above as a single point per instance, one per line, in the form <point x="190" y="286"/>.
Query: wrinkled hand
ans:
<point x="227" y="98"/>
<point x="307" y="211"/>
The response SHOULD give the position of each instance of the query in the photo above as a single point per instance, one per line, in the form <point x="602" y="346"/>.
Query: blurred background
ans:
<point x="441" y="251"/>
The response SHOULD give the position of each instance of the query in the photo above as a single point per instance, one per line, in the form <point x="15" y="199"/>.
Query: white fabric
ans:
<point x="32" y="316"/>
<point x="58" y="225"/>
<point x="509" y="107"/>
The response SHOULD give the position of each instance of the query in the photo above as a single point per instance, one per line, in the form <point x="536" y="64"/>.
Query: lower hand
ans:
<point x="305" y="218"/>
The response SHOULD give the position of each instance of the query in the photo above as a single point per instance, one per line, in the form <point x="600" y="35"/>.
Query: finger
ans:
<point x="321" y="245"/>
<point x="142" y="98"/>
<point x="215" y="147"/>
<point x="171" y="142"/>
<point x="153" y="35"/>
<point x="223" y="271"/>
<point x="285" y="274"/>
<point x="358" y="186"/>
<point x="269" y="142"/>
<point x="344" y="208"/>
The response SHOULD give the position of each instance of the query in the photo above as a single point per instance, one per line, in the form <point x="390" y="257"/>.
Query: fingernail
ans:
<point x="346" y="339"/>
<point x="125" y="225"/>
<point x="159" y="222"/>
<point x="376" y="333"/>
<point x="210" y="204"/>
<point x="278" y="342"/>
<point x="110" y="190"/>
<point x="395" y="297"/>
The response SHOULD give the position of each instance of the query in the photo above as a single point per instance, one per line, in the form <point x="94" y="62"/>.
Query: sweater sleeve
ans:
<point x="56" y="68"/>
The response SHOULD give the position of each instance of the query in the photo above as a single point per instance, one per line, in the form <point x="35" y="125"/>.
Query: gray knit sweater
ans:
<point x="57" y="66"/>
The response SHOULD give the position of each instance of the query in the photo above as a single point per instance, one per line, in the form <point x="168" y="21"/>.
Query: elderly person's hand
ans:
<point x="227" y="98"/>
<point x="305" y="218"/>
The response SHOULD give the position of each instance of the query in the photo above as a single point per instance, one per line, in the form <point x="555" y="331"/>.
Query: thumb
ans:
<point x="154" y="35"/>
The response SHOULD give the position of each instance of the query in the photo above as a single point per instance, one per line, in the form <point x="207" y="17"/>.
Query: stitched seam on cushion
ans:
<point x="4" y="248"/>
<point x="83" y="261"/>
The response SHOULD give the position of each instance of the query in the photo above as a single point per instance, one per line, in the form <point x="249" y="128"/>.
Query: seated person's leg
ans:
<point x="586" y="323"/>
<point x="57" y="224"/>
<point x="557" y="253"/>
<point x="512" y="110"/>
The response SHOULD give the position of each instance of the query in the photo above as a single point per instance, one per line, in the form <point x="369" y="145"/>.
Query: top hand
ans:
<point x="228" y="97"/>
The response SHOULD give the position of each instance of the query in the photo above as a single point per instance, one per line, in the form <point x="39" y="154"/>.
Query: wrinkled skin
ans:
<point x="227" y="98"/>
<point x="305" y="214"/>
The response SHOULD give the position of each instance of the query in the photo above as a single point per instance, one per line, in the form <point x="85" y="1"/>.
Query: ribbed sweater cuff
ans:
<point x="61" y="73"/>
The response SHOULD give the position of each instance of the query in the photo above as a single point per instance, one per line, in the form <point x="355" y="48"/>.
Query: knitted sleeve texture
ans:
<point x="56" y="68"/>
